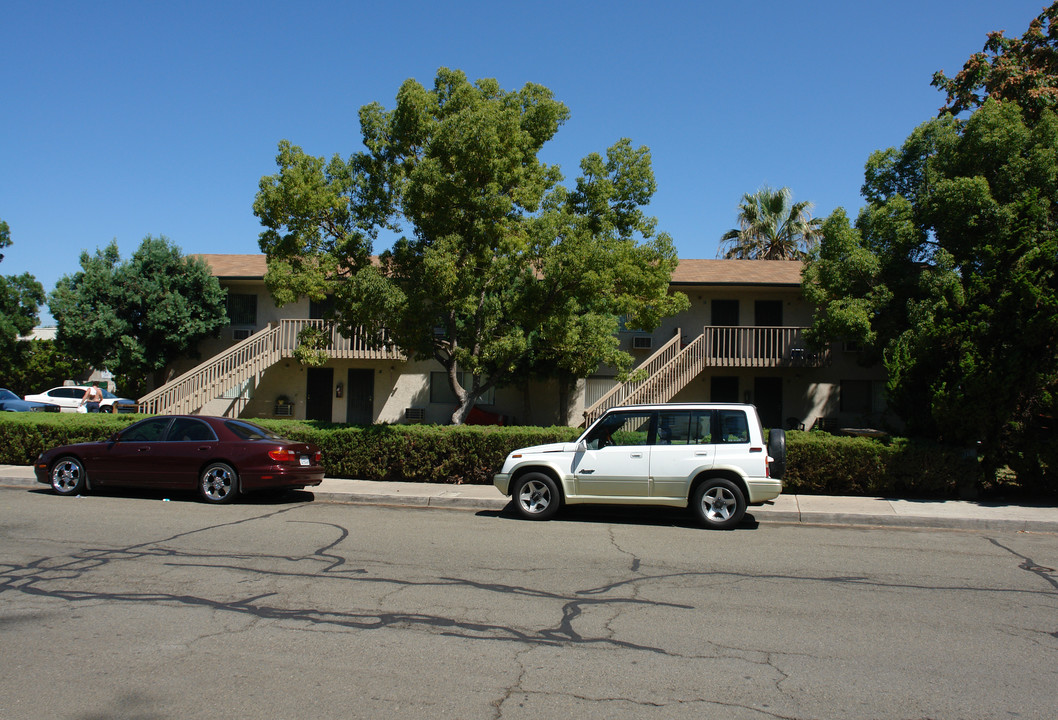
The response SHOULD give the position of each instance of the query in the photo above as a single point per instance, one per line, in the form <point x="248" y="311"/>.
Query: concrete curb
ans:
<point x="786" y="509"/>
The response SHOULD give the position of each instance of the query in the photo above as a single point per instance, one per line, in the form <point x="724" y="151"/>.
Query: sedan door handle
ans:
<point x="637" y="455"/>
<point x="143" y="449"/>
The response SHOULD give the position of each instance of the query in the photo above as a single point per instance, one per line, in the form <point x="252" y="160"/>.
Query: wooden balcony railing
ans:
<point x="358" y="347"/>
<point x="668" y="372"/>
<point x="247" y="360"/>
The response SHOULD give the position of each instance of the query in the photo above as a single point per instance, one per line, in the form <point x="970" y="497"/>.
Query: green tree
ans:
<point x="20" y="300"/>
<point x="505" y="269"/>
<point x="950" y="277"/>
<point x="1021" y="70"/>
<point x="37" y="365"/>
<point x="771" y="227"/>
<point x="136" y="317"/>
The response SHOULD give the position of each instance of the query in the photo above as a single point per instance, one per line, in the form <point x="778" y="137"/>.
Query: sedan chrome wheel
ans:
<point x="68" y="476"/>
<point x="218" y="484"/>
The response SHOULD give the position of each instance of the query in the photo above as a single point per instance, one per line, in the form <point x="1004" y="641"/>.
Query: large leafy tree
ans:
<point x="505" y="272"/>
<point x="20" y="300"/>
<point x="950" y="277"/>
<point x="35" y="365"/>
<point x="771" y="227"/>
<point x="1023" y="70"/>
<point x="136" y="317"/>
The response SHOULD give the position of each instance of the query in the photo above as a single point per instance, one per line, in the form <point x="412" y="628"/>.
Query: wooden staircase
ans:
<point x="673" y="366"/>
<point x="246" y="361"/>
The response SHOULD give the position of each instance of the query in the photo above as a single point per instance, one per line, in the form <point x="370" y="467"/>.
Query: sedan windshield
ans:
<point x="8" y="395"/>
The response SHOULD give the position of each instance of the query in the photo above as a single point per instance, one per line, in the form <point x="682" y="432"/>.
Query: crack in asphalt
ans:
<point x="39" y="578"/>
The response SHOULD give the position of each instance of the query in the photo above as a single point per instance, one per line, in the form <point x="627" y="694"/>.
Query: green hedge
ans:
<point x="818" y="463"/>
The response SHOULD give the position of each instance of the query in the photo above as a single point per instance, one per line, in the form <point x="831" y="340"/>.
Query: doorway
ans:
<point x="767" y="396"/>
<point x="318" y="384"/>
<point x="360" y="406"/>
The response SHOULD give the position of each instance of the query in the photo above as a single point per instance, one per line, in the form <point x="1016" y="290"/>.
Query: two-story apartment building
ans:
<point x="741" y="340"/>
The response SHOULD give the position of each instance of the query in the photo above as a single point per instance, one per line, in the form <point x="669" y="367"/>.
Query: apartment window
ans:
<point x="242" y="309"/>
<point x="856" y="396"/>
<point x="442" y="394"/>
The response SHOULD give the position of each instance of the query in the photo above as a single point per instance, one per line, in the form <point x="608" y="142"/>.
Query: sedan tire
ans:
<point x="68" y="476"/>
<point x="536" y="496"/>
<point x="719" y="504"/>
<point x="218" y="483"/>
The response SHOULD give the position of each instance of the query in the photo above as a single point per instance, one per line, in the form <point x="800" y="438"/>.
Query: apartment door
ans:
<point x="724" y="316"/>
<point x="767" y="396"/>
<point x="360" y="406"/>
<point x="767" y="314"/>
<point x="318" y="403"/>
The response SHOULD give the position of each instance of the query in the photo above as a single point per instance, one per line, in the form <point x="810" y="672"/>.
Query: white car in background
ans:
<point x="70" y="398"/>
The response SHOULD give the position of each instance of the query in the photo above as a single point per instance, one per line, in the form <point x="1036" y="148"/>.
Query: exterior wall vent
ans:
<point x="642" y="342"/>
<point x="415" y="414"/>
<point x="240" y="334"/>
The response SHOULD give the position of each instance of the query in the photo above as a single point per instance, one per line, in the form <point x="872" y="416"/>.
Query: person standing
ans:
<point x="92" y="398"/>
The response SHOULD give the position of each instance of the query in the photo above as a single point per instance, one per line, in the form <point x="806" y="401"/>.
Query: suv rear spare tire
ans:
<point x="777" y="453"/>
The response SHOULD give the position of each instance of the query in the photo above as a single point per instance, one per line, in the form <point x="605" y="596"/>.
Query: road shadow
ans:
<point x="622" y="515"/>
<point x="266" y="498"/>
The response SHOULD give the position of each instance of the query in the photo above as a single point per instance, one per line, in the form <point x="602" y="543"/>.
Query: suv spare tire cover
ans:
<point x="777" y="451"/>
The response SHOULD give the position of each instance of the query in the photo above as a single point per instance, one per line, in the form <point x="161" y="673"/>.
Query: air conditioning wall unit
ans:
<point x="240" y="334"/>
<point x="415" y="414"/>
<point x="642" y="342"/>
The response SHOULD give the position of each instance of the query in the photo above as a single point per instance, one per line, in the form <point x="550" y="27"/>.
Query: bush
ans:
<point x="818" y="463"/>
<point x="824" y="464"/>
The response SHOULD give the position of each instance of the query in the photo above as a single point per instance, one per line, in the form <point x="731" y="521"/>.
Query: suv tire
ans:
<point x="536" y="496"/>
<point x="719" y="504"/>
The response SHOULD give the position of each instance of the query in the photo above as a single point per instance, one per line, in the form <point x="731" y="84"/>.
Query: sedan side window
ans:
<point x="147" y="431"/>
<point x="190" y="430"/>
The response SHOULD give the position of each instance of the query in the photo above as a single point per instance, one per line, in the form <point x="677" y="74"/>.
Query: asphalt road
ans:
<point x="125" y="606"/>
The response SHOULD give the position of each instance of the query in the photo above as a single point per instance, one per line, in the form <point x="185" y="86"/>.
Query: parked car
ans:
<point x="710" y="457"/>
<point x="10" y="402"/>
<point x="220" y="457"/>
<point x="70" y="398"/>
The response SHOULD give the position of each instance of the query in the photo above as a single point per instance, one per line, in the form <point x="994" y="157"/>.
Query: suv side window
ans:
<point x="702" y="427"/>
<point x="734" y="428"/>
<point x="675" y="428"/>
<point x="621" y="429"/>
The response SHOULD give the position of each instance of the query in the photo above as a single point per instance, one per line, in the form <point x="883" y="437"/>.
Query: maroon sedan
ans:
<point x="220" y="456"/>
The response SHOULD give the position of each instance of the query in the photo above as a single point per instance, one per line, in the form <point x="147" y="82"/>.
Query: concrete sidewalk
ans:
<point x="801" y="509"/>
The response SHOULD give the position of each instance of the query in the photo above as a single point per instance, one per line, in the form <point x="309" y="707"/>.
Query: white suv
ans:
<point x="709" y="456"/>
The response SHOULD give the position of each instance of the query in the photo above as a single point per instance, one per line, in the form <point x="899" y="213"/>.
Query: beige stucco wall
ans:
<point x="807" y="394"/>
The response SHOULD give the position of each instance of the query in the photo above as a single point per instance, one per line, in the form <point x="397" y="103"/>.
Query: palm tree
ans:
<point x="771" y="227"/>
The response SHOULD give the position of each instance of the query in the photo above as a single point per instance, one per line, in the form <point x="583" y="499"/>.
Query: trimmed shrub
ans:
<point x="817" y="463"/>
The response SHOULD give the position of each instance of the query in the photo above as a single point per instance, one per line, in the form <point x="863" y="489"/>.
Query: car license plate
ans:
<point x="305" y="460"/>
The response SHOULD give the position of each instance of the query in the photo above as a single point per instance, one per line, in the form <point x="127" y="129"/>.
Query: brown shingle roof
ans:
<point x="737" y="272"/>
<point x="689" y="271"/>
<point x="236" y="266"/>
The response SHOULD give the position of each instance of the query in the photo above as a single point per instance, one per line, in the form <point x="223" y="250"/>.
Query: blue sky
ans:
<point x="123" y="119"/>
